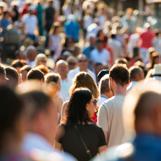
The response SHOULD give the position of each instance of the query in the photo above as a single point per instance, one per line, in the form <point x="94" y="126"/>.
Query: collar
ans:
<point x="36" y="141"/>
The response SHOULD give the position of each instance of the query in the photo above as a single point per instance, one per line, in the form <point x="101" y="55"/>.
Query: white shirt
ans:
<point x="133" y="42"/>
<point x="34" y="142"/>
<point x="110" y="119"/>
<point x="100" y="56"/>
<point x="72" y="73"/>
<point x="131" y="85"/>
<point x="30" y="22"/>
<point x="101" y="100"/>
<point x="116" y="48"/>
<point x="55" y="45"/>
<point x="64" y="91"/>
<point x="88" y="20"/>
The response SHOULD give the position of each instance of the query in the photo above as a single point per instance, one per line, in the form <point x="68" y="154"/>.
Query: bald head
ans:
<point x="144" y="112"/>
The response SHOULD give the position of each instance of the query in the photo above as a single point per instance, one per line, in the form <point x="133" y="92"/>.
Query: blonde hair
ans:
<point x="83" y="79"/>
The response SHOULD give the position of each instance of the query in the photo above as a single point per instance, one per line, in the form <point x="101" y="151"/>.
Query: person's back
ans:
<point x="142" y="125"/>
<point x="110" y="113"/>
<point x="111" y="110"/>
<point x="73" y="144"/>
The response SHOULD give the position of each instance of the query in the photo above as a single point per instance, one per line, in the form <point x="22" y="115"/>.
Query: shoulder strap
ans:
<point x="88" y="152"/>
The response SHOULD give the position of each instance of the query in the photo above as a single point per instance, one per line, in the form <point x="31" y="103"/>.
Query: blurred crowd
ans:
<point x="70" y="82"/>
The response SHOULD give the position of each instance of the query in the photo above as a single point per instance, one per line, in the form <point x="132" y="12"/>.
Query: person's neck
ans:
<point x="83" y="69"/>
<point x="120" y="90"/>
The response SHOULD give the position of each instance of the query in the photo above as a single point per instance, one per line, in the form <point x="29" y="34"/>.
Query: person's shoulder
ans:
<point x="109" y="102"/>
<point x="118" y="153"/>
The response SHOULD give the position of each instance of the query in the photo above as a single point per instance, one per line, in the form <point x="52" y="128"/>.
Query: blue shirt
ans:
<point x="72" y="30"/>
<point x="146" y="147"/>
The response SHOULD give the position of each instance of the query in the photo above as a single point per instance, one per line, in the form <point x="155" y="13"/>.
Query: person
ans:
<point x="41" y="59"/>
<point x="82" y="67"/>
<point x="13" y="123"/>
<point x="62" y="68"/>
<point x="136" y="75"/>
<point x="72" y="28"/>
<point x="110" y="113"/>
<point x="80" y="137"/>
<point x="72" y="62"/>
<point x="116" y="46"/>
<point x="100" y="54"/>
<point x="42" y="122"/>
<point x="104" y="90"/>
<point x="40" y="11"/>
<point x="82" y="79"/>
<point x="146" y="41"/>
<point x="143" y="121"/>
<point x="31" y="53"/>
<point x="55" y="41"/>
<point x="49" y="16"/>
<point x="30" y="24"/>
<point x="53" y="81"/>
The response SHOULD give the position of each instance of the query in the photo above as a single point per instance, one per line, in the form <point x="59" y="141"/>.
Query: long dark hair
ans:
<point x="77" y="113"/>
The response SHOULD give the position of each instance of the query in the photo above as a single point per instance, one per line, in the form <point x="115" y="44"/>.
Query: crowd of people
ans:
<point x="77" y="80"/>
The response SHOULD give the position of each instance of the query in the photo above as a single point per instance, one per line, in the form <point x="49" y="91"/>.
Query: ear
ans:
<point x="87" y="106"/>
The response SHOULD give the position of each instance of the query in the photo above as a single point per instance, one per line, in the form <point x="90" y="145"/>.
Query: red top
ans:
<point x="146" y="39"/>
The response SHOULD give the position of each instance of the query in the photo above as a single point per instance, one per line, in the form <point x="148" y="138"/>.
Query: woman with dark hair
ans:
<point x="79" y="136"/>
<point x="84" y="80"/>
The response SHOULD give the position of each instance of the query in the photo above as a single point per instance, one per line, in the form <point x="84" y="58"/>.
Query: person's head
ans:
<point x="17" y="64"/>
<point x="81" y="107"/>
<point x="42" y="115"/>
<point x="24" y="70"/>
<point x="40" y="59"/>
<point x="82" y="62"/>
<point x="43" y="68"/>
<point x="13" y="76"/>
<point x="12" y="120"/>
<point x="144" y="114"/>
<point x="53" y="80"/>
<point x="121" y="61"/>
<point x="92" y="39"/>
<point x="35" y="74"/>
<point x="62" y="68"/>
<point x="100" y="34"/>
<point x="31" y="53"/>
<point x="72" y="62"/>
<point x="155" y="59"/>
<point x="104" y="88"/>
<point x="101" y="74"/>
<point x="136" y="73"/>
<point x="99" y="45"/>
<point x="84" y="80"/>
<point x="119" y="77"/>
<point x="50" y="3"/>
